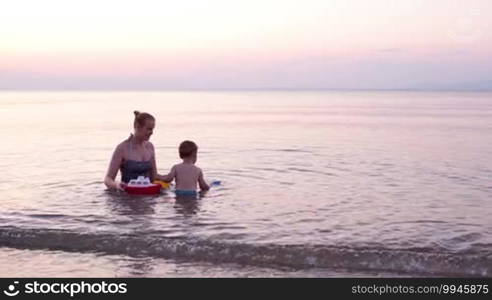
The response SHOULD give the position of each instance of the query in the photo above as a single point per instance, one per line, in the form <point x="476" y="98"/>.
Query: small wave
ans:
<point x="57" y="184"/>
<point x="418" y="222"/>
<point x="46" y="216"/>
<point x="277" y="150"/>
<point x="273" y="255"/>
<point x="294" y="150"/>
<point x="310" y="171"/>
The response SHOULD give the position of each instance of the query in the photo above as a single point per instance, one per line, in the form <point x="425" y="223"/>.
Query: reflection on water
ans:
<point x="141" y="267"/>
<point x="187" y="205"/>
<point x="123" y="204"/>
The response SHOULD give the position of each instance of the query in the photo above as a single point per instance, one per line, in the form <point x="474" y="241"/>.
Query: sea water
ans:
<point x="313" y="184"/>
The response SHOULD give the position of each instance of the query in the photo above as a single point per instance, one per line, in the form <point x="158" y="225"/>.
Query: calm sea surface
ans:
<point x="313" y="184"/>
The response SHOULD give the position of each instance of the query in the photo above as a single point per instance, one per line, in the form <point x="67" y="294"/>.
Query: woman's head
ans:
<point x="143" y="124"/>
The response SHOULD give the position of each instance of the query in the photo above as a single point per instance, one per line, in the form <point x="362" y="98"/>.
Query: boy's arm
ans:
<point x="169" y="177"/>
<point x="201" y="182"/>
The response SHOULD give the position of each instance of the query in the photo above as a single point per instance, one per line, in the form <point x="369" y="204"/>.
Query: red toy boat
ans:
<point x="142" y="186"/>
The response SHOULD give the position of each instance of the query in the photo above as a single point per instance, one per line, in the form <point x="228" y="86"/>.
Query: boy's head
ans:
<point x="187" y="149"/>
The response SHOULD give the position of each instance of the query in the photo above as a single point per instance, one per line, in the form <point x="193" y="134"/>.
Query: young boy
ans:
<point x="186" y="174"/>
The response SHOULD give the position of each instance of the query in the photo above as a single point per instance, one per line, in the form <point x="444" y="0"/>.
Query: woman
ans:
<point x="134" y="156"/>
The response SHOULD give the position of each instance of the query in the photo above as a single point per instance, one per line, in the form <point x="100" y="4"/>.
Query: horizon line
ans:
<point x="247" y="90"/>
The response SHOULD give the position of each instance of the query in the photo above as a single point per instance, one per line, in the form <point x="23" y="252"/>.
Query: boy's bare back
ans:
<point x="187" y="176"/>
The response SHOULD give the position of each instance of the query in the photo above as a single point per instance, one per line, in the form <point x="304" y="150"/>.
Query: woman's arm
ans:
<point x="113" y="168"/>
<point x="154" y="175"/>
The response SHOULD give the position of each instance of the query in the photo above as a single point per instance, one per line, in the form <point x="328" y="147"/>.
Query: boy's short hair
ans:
<point x="187" y="148"/>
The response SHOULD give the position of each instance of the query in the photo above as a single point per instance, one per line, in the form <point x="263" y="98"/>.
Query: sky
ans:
<point x="254" y="44"/>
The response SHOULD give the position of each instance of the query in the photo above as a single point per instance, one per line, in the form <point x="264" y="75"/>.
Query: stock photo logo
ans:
<point x="66" y="288"/>
<point x="12" y="291"/>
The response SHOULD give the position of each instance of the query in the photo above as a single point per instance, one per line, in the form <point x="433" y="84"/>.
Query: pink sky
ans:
<point x="218" y="44"/>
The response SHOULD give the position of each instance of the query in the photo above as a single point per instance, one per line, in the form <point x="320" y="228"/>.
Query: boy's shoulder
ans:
<point x="186" y="166"/>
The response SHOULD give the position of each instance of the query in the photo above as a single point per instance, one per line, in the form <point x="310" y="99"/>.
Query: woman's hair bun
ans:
<point x="141" y="118"/>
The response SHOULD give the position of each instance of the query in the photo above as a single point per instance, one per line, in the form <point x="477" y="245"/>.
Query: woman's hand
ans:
<point x="113" y="184"/>
<point x="120" y="186"/>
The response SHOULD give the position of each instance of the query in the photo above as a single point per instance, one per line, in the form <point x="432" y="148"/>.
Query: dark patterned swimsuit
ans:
<point x="131" y="169"/>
